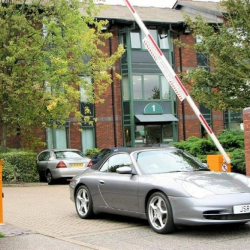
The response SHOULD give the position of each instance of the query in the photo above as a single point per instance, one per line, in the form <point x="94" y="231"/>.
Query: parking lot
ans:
<point x="47" y="211"/>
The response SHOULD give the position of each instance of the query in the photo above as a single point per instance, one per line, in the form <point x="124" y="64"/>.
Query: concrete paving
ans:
<point x="45" y="213"/>
<point x="41" y="217"/>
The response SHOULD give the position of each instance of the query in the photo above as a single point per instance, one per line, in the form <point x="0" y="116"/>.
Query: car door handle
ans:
<point x="102" y="182"/>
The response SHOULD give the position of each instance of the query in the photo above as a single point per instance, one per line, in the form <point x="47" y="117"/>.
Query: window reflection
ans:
<point x="135" y="40"/>
<point x="160" y="37"/>
<point x="151" y="87"/>
<point x="137" y="87"/>
<point x="165" y="88"/>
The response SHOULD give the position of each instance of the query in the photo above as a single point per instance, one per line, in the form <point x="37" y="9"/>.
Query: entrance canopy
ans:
<point x="156" y="118"/>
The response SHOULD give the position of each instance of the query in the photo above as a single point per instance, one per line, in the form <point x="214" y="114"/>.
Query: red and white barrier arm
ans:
<point x="172" y="78"/>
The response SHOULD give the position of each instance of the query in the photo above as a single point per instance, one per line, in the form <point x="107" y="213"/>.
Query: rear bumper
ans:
<point x="66" y="172"/>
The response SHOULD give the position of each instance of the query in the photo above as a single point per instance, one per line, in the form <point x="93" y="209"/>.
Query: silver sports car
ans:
<point x="166" y="186"/>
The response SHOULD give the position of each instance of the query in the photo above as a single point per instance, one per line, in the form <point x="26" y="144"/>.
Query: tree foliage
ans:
<point x="45" y="48"/>
<point x="227" y="84"/>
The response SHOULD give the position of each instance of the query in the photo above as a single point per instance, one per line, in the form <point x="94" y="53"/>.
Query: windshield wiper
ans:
<point x="202" y="169"/>
<point x="177" y="171"/>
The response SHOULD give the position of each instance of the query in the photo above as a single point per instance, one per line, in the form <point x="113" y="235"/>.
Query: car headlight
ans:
<point x="196" y="191"/>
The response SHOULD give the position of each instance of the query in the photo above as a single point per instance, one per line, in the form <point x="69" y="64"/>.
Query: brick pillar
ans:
<point x="246" y="120"/>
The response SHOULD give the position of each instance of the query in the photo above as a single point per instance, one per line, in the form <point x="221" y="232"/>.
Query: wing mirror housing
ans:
<point x="125" y="170"/>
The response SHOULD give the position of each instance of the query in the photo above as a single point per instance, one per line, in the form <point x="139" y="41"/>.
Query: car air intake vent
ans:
<point x="220" y="215"/>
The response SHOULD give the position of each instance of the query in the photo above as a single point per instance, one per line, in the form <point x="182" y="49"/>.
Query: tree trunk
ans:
<point x="4" y="137"/>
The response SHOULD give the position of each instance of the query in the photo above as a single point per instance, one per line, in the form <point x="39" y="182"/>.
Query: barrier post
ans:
<point x="1" y="192"/>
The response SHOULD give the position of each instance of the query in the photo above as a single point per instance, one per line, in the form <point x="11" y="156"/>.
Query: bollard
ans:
<point x="1" y="192"/>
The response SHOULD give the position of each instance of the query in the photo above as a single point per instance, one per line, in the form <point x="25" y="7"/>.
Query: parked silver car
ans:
<point x="166" y="186"/>
<point x="54" y="164"/>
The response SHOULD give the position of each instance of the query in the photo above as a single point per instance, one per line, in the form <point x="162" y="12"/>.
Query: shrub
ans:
<point x="92" y="152"/>
<point x="19" y="166"/>
<point x="231" y="140"/>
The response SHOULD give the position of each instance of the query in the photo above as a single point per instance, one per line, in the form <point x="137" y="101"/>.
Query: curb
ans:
<point x="25" y="184"/>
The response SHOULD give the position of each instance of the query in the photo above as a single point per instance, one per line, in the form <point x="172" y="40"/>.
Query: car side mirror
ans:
<point x="124" y="170"/>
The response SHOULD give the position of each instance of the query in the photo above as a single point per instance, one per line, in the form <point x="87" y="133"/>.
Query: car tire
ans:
<point x="159" y="213"/>
<point x="84" y="203"/>
<point x="49" y="178"/>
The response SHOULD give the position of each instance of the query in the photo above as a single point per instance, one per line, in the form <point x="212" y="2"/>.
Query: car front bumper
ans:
<point x="214" y="209"/>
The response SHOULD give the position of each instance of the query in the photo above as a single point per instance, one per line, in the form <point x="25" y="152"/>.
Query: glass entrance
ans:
<point x="154" y="134"/>
<point x="151" y="134"/>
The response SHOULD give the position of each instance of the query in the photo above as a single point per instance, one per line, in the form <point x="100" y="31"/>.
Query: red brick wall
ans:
<point x="75" y="136"/>
<point x="246" y="120"/>
<point x="105" y="133"/>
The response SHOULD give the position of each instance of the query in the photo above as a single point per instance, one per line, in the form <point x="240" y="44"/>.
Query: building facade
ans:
<point x="141" y="108"/>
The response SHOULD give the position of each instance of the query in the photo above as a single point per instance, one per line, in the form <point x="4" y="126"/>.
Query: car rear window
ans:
<point x="69" y="154"/>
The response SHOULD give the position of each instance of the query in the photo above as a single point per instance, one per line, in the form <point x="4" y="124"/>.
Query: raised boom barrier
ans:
<point x="172" y="78"/>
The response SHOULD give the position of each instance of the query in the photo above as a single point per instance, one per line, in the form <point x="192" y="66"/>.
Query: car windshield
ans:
<point x="69" y="155"/>
<point x="162" y="161"/>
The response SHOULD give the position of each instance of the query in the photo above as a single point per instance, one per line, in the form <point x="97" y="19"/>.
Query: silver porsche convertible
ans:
<point x="166" y="186"/>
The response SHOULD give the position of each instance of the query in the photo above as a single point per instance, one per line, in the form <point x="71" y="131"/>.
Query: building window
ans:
<point x="58" y="138"/>
<point x="202" y="59"/>
<point x="163" y="38"/>
<point x="137" y="87"/>
<point x="88" y="136"/>
<point x="207" y="114"/>
<point x="160" y="36"/>
<point x="150" y="87"/>
<point x="233" y="120"/>
<point x="125" y="86"/>
<point x="165" y="88"/>
<point x="135" y="40"/>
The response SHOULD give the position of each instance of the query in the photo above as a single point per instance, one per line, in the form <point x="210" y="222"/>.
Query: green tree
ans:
<point x="45" y="48"/>
<point x="227" y="84"/>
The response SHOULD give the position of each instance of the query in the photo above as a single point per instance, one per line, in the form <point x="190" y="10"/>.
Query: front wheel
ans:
<point x="159" y="213"/>
<point x="83" y="203"/>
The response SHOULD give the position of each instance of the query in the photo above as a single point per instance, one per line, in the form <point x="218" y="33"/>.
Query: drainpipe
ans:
<point x="113" y="95"/>
<point x="182" y="103"/>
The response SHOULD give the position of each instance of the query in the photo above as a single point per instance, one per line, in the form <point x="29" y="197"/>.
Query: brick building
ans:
<point x="142" y="108"/>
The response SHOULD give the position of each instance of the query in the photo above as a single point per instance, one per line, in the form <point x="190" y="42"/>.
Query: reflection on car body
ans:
<point x="166" y="186"/>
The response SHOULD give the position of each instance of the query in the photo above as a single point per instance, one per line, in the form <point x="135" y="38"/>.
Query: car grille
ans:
<point x="219" y="215"/>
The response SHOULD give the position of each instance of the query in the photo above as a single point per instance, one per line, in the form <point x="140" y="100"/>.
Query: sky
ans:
<point x="153" y="3"/>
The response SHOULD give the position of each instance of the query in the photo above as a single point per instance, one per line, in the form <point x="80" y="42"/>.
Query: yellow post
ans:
<point x="216" y="163"/>
<point x="1" y="192"/>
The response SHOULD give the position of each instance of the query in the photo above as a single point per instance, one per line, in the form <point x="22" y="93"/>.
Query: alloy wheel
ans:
<point x="82" y="201"/>
<point x="158" y="212"/>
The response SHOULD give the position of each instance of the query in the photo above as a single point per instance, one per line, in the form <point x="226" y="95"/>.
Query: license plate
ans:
<point x="241" y="209"/>
<point x="77" y="165"/>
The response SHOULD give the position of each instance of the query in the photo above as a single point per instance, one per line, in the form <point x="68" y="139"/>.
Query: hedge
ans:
<point x="19" y="166"/>
<point x="231" y="140"/>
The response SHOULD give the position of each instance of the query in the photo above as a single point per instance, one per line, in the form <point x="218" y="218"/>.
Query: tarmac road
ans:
<point x="41" y="217"/>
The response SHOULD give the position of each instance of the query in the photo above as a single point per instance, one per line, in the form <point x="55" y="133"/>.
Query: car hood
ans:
<point x="216" y="182"/>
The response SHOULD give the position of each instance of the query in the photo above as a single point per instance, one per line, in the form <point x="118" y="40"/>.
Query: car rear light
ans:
<point x="90" y="164"/>
<point x="61" y="164"/>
